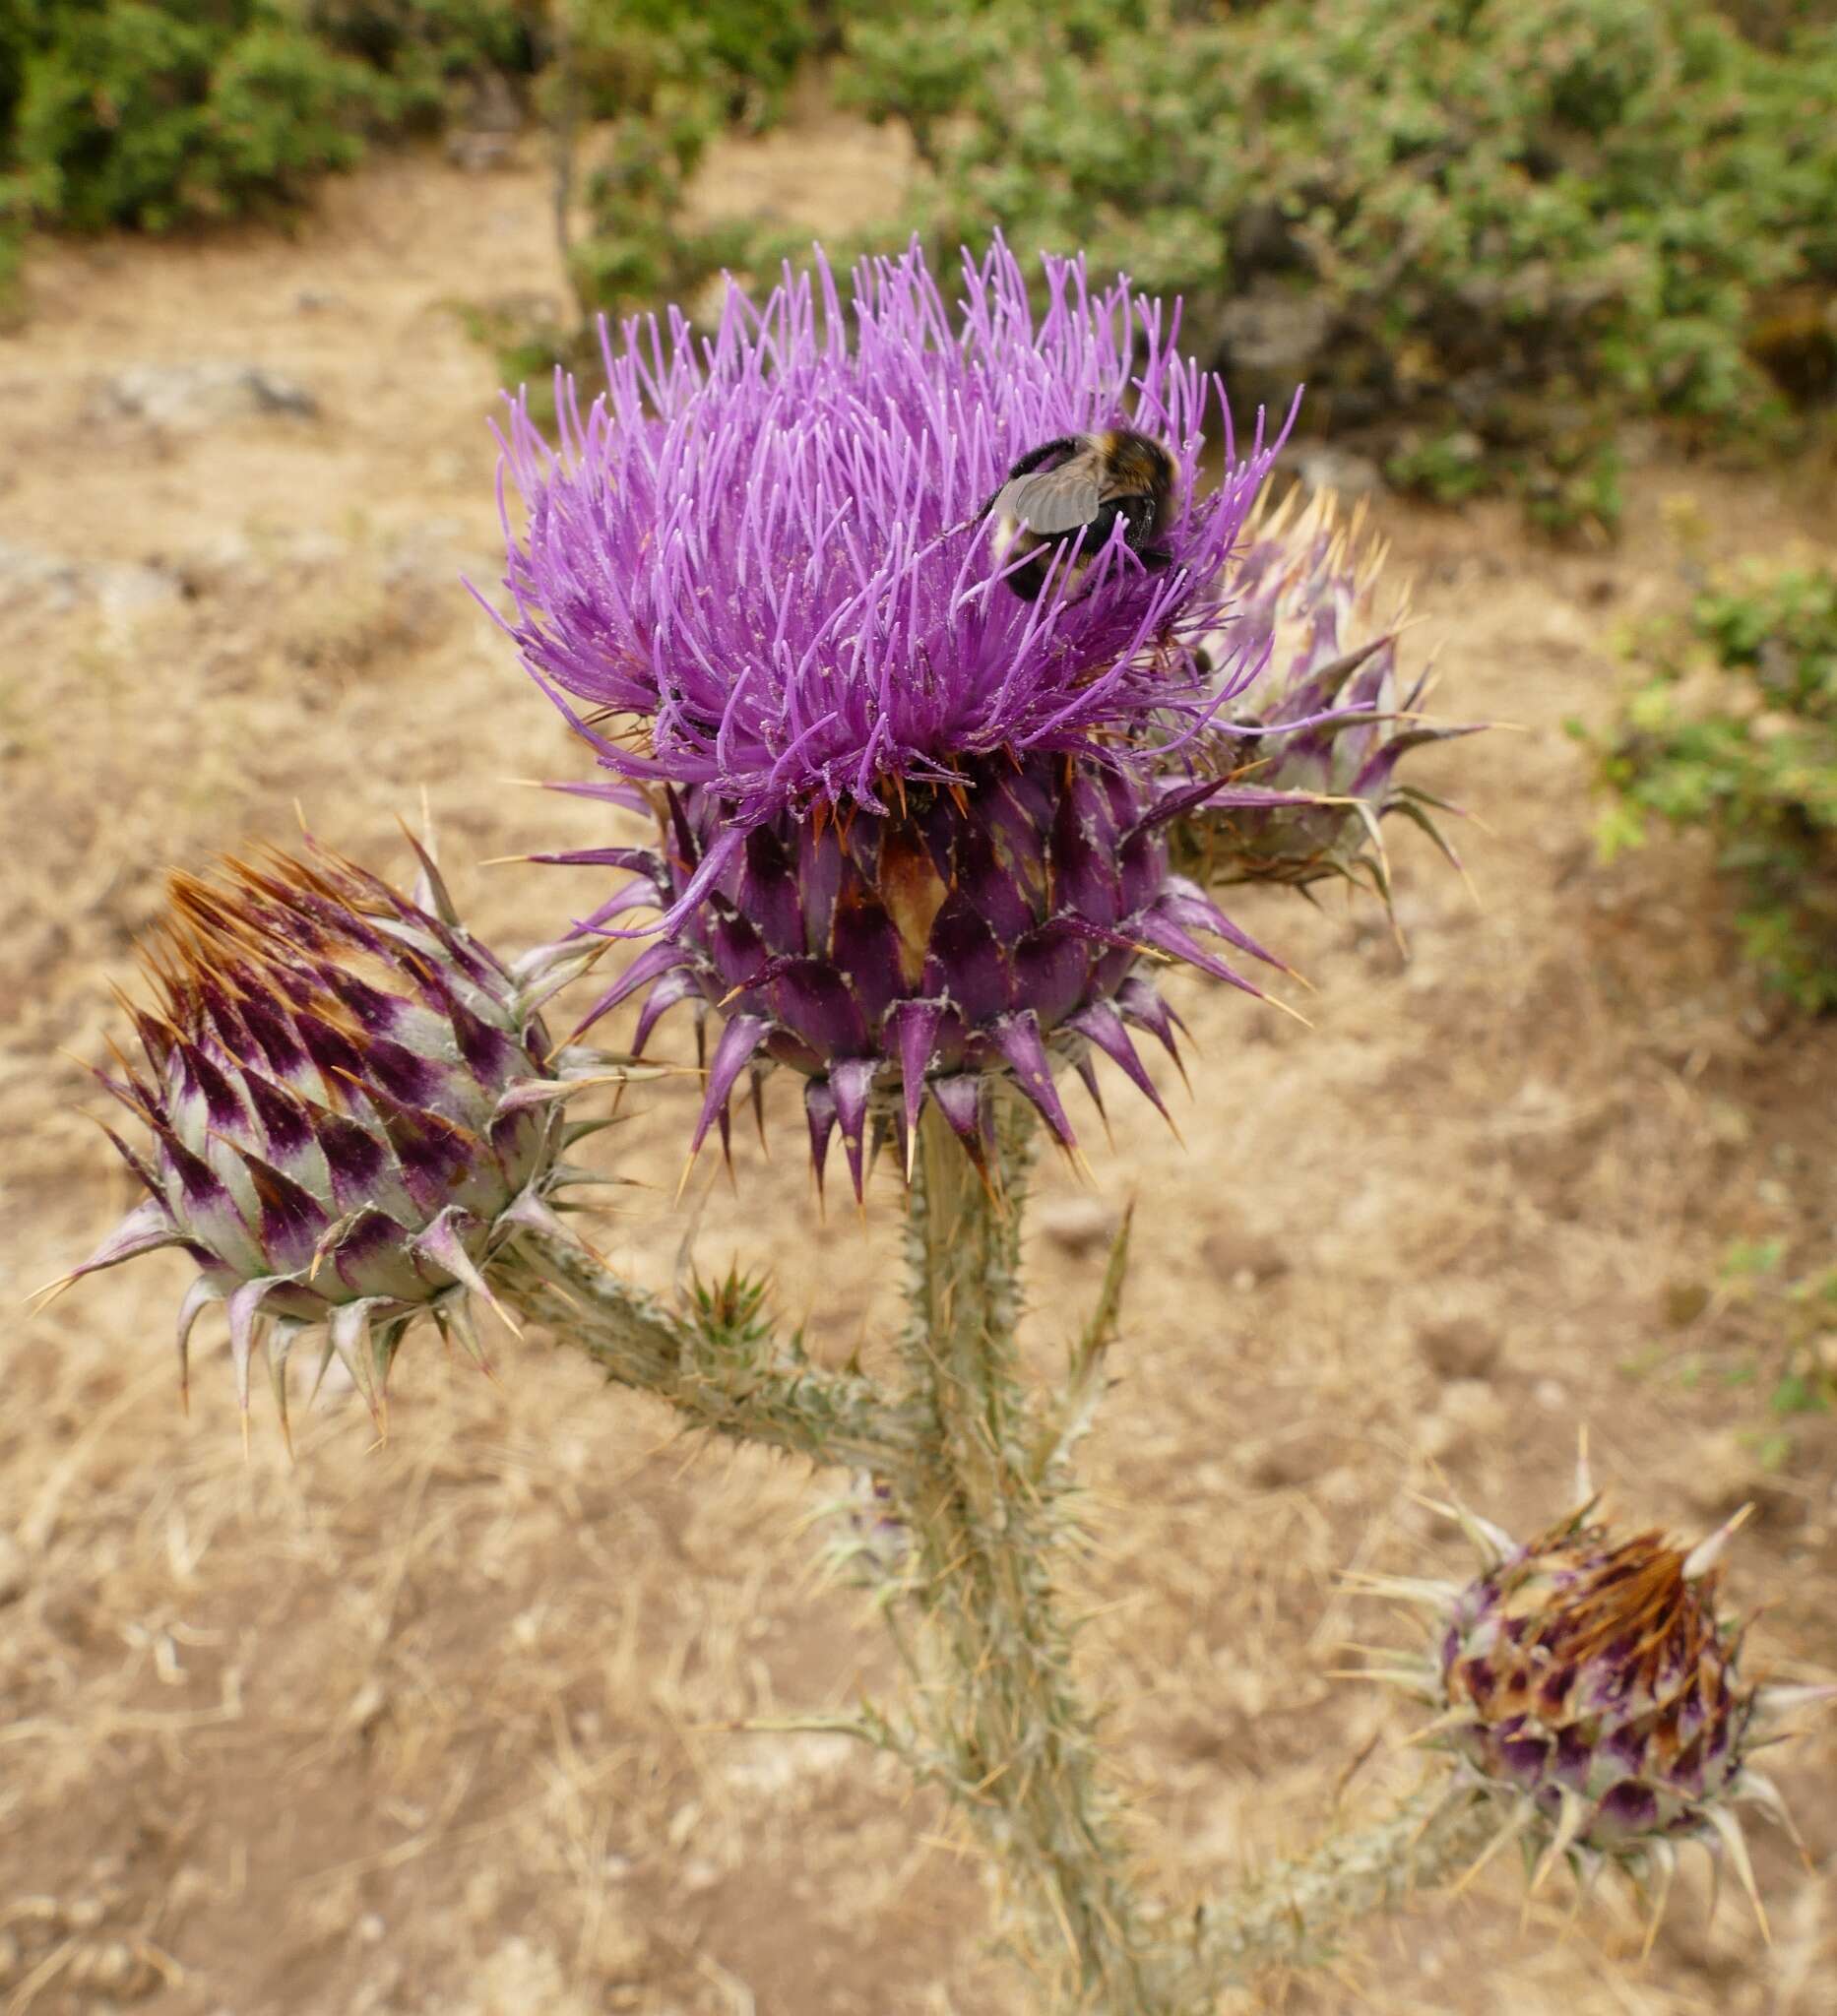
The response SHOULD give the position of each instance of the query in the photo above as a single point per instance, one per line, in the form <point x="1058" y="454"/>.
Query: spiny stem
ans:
<point x="998" y="1724"/>
<point x="762" y="1392"/>
<point x="1288" y="1914"/>
<point x="1003" y="1710"/>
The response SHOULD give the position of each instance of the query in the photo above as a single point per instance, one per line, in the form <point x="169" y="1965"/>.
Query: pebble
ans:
<point x="1240" y="1259"/>
<point x="1338" y="470"/>
<point x="187" y="398"/>
<point x="1076" y="1225"/>
<point x="14" y="1569"/>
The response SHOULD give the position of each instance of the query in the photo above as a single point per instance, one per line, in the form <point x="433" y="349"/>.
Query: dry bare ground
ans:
<point x="445" y="1724"/>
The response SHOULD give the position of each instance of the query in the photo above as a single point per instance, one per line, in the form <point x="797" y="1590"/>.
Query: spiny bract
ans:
<point x="1313" y="743"/>
<point x="990" y="931"/>
<point x="350" y="1109"/>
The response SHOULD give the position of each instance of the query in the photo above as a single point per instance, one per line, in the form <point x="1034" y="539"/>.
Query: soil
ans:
<point x="448" y="1723"/>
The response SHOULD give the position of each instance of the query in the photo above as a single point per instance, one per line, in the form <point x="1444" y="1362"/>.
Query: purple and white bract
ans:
<point x="349" y="1109"/>
<point x="910" y="825"/>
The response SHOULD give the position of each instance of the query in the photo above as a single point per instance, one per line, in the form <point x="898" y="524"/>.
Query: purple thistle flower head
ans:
<point x="763" y="553"/>
<point x="911" y="826"/>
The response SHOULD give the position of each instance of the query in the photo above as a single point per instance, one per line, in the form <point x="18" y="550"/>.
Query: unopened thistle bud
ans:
<point x="1590" y="1684"/>
<point x="350" y="1110"/>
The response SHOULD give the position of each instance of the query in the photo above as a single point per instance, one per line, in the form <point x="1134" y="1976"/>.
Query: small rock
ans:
<point x="1550" y="1395"/>
<point x="124" y="591"/>
<point x="26" y="572"/>
<point x="1275" y="329"/>
<point x="1461" y="1348"/>
<point x="1684" y="1302"/>
<point x="1242" y="1260"/>
<point x="1338" y="470"/>
<point x="1472" y="1416"/>
<point x="1076" y="1225"/>
<point x="480" y="153"/>
<point x="120" y="588"/>
<point x="186" y="398"/>
<point x="12" y="1569"/>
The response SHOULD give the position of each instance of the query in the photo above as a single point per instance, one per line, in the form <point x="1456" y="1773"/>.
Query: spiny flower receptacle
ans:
<point x="350" y="1105"/>
<point x="1587" y="1681"/>
<point x="910" y="827"/>
<point x="994" y="930"/>
<point x="1313" y="743"/>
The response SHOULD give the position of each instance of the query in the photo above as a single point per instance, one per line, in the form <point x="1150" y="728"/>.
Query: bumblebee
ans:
<point x="1083" y="484"/>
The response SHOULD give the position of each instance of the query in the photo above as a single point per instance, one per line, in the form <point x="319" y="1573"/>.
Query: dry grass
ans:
<point x="442" y="1724"/>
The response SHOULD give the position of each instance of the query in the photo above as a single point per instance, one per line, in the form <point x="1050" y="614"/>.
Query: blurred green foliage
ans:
<point x="135" y="114"/>
<point x="1736" y="732"/>
<point x="158" y="113"/>
<point x="1484" y="231"/>
<point x="1481" y="228"/>
<point x="1791" y="1322"/>
<point x="659" y="83"/>
<point x="152" y="115"/>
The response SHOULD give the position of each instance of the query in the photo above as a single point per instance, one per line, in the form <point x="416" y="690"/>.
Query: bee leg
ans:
<point x="1142" y="515"/>
<point x="1137" y="516"/>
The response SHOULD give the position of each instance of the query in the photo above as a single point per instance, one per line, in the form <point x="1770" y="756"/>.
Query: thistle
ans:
<point x="909" y="829"/>
<point x="349" y="1110"/>
<point x="873" y="1544"/>
<point x="1587" y="1682"/>
<point x="1311" y="744"/>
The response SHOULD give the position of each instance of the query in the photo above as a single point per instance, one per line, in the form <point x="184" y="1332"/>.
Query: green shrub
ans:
<point x="423" y="45"/>
<point x="662" y="83"/>
<point x="1736" y="732"/>
<point x="1498" y="222"/>
<point x="154" y="113"/>
<point x="132" y="113"/>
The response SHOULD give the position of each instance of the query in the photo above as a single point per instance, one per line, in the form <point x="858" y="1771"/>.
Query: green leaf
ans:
<point x="1796" y="1393"/>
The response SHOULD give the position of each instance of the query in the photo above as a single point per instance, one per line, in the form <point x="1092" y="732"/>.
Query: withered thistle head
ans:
<point x="1312" y="743"/>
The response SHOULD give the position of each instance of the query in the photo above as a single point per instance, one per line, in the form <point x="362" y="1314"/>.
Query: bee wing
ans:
<point x="1052" y="500"/>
